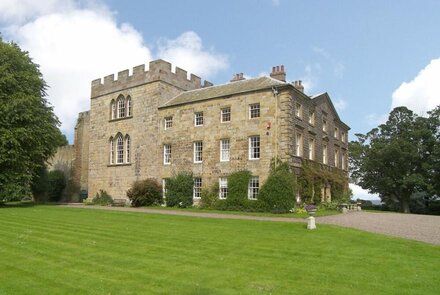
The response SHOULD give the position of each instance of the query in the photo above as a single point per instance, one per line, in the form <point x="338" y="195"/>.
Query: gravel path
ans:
<point x="425" y="228"/>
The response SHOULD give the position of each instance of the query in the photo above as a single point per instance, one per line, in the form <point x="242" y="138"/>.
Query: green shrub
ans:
<point x="277" y="195"/>
<point x="209" y="197"/>
<point x="333" y="205"/>
<point x="56" y="185"/>
<point x="238" y="191"/>
<point x="180" y="190"/>
<point x="145" y="193"/>
<point x="102" y="198"/>
<point x="40" y="183"/>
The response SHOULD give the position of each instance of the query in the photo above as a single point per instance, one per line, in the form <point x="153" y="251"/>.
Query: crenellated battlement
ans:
<point x="159" y="70"/>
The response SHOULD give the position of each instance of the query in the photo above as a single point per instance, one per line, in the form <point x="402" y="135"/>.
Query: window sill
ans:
<point x="256" y="159"/>
<point x="119" y="119"/>
<point x="117" y="165"/>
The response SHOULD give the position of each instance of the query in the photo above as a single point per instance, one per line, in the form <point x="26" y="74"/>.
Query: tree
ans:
<point x="393" y="159"/>
<point x="29" y="132"/>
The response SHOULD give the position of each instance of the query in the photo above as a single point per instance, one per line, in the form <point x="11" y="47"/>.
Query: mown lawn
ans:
<point x="320" y="212"/>
<point x="53" y="250"/>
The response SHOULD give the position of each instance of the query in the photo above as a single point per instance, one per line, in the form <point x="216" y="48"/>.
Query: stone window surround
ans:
<point x="312" y="147"/>
<point x="116" y="153"/>
<point x="312" y="118"/>
<point x="299" y="146"/>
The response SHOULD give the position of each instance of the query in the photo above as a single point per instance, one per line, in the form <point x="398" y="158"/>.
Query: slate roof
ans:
<point x="231" y="88"/>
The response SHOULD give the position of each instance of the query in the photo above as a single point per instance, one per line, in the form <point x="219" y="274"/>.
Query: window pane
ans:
<point x="226" y="115"/>
<point x="167" y="154"/>
<point x="254" y="187"/>
<point x="223" y="188"/>
<point x="254" y="147"/>
<point x="198" y="119"/>
<point x="197" y="189"/>
<point x="198" y="151"/>
<point x="254" y="110"/>
<point x="224" y="150"/>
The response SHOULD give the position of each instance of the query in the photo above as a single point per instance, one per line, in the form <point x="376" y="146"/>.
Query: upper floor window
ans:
<point x="224" y="150"/>
<point x="336" y="133"/>
<point x="343" y="135"/>
<point x="226" y="114"/>
<point x="253" y="187"/>
<point x="198" y="152"/>
<point x="223" y="187"/>
<point x="168" y="123"/>
<point x="129" y="114"/>
<point x="121" y="107"/>
<point x="324" y="154"/>
<point x="299" y="144"/>
<point x="298" y="110"/>
<point x="343" y="160"/>
<point x="254" y="110"/>
<point x="312" y="118"/>
<point x="113" y="113"/>
<point x="324" y="125"/>
<point x="167" y="154"/>
<point x="254" y="147"/>
<point x="119" y="150"/>
<point x="198" y="119"/>
<point x="336" y="157"/>
<point x="311" y="149"/>
<point x="197" y="188"/>
<point x="112" y="150"/>
<point x="127" y="149"/>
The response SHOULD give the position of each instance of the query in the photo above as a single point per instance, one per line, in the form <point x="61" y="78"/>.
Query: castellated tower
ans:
<point x="124" y="125"/>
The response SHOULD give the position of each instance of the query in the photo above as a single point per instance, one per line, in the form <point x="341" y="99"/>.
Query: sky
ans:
<point x="370" y="56"/>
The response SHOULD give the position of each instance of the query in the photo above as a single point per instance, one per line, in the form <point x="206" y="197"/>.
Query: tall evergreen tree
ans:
<point x="29" y="132"/>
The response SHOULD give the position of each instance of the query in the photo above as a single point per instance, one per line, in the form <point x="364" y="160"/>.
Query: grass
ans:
<point x="54" y="250"/>
<point x="320" y="212"/>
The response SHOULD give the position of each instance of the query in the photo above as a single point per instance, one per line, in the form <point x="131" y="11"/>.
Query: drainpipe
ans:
<point x="276" y="94"/>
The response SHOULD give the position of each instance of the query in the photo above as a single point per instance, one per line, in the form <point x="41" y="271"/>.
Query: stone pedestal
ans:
<point x="344" y="210"/>
<point x="311" y="223"/>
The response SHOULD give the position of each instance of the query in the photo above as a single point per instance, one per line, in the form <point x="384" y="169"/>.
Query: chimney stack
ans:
<point x="237" y="77"/>
<point x="298" y="85"/>
<point x="278" y="73"/>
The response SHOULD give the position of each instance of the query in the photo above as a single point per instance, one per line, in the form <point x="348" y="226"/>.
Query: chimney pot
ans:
<point x="278" y="73"/>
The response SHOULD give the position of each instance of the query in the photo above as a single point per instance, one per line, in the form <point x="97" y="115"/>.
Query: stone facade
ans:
<point x="144" y="126"/>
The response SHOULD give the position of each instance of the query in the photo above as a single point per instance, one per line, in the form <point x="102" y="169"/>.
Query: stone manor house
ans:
<point x="157" y="122"/>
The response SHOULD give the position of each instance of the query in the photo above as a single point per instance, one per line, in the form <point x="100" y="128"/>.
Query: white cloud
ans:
<point x="422" y="94"/>
<point x="187" y="52"/>
<point x="75" y="47"/>
<point x="18" y="11"/>
<point x="340" y="104"/>
<point x="360" y="193"/>
<point x="75" y="42"/>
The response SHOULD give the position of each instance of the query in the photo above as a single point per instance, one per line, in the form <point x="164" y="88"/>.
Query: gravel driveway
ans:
<point x="425" y="228"/>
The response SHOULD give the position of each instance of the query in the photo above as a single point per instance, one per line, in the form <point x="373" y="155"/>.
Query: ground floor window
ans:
<point x="197" y="188"/>
<point x="223" y="187"/>
<point x="254" y="187"/>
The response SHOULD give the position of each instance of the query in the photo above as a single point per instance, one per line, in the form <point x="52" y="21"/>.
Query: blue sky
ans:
<point x="368" y="55"/>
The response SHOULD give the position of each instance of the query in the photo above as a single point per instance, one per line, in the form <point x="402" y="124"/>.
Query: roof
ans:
<point x="222" y="90"/>
<point x="325" y="98"/>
